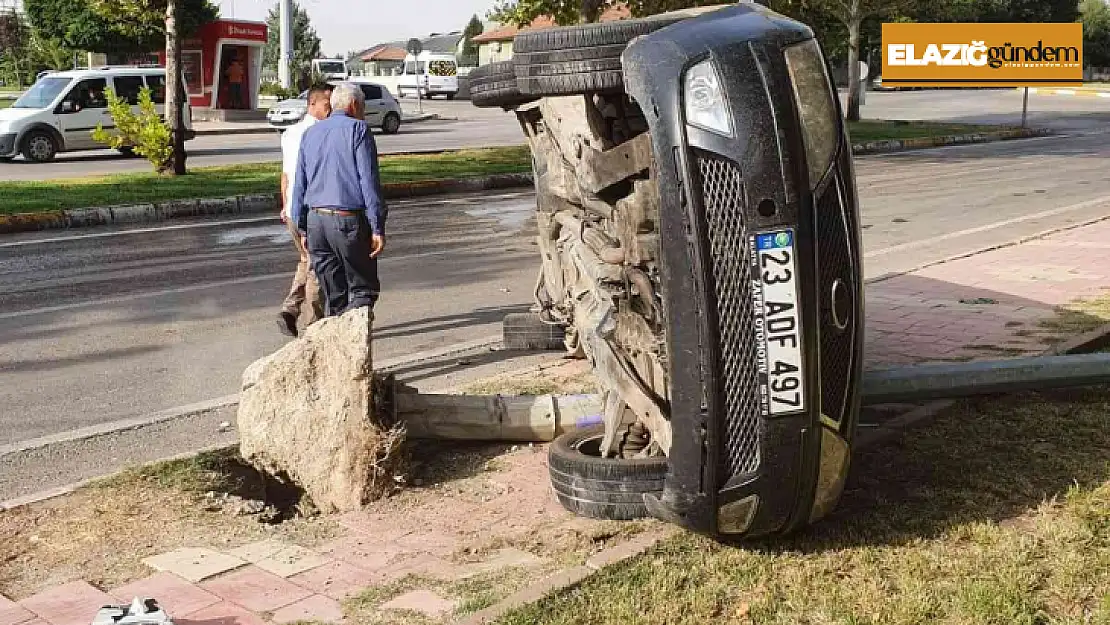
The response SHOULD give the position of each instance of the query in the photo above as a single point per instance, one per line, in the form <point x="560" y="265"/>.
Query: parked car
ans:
<point x="699" y="242"/>
<point x="382" y="109"/>
<point x="61" y="110"/>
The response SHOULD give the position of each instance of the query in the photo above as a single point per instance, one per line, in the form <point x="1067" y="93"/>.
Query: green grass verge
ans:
<point x="878" y="130"/>
<point x="4" y="103"/>
<point x="997" y="513"/>
<point x="141" y="188"/>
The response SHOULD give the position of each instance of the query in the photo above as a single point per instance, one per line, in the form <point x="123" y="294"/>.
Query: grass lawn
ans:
<point x="5" y="103"/>
<point x="876" y="130"/>
<point x="997" y="513"/>
<point x="140" y="188"/>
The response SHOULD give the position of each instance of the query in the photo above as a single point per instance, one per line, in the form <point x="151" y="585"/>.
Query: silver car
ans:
<point x="382" y="109"/>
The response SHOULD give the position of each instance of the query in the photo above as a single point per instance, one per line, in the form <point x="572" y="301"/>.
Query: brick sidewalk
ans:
<point x="989" y="305"/>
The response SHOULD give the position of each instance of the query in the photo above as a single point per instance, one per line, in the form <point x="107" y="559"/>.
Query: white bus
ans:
<point x="429" y="74"/>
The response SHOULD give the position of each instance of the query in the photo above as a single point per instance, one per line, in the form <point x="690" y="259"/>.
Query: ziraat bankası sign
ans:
<point x="982" y="55"/>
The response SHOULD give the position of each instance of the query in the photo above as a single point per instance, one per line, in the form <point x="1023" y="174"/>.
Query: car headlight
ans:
<point x="706" y="106"/>
<point x="814" y="95"/>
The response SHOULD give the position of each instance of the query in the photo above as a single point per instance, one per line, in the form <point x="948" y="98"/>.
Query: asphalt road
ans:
<point x="100" y="325"/>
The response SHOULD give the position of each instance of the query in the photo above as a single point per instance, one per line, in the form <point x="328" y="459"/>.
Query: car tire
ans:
<point x="602" y="488"/>
<point x="494" y="85"/>
<point x="528" y="332"/>
<point x="579" y="59"/>
<point x="127" y="151"/>
<point x="391" y="124"/>
<point x="449" y="96"/>
<point x="39" y="146"/>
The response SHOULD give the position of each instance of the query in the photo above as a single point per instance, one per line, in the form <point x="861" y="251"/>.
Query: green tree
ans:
<point x="143" y="132"/>
<point x="522" y="12"/>
<point x="15" y="48"/>
<point x="139" y="18"/>
<point x="853" y="14"/>
<point x="306" y="43"/>
<point x="1096" y="32"/>
<point x="113" y="27"/>
<point x="472" y="30"/>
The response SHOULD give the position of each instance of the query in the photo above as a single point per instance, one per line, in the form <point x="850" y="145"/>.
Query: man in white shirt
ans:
<point x="305" y="285"/>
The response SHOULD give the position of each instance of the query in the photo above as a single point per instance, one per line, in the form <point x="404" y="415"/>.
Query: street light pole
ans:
<point x="1025" y="108"/>
<point x="285" y="57"/>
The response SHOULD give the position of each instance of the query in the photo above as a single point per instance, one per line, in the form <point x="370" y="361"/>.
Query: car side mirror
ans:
<point x="69" y="107"/>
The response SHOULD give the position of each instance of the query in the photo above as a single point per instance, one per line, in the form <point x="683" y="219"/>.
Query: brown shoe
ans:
<point x="287" y="323"/>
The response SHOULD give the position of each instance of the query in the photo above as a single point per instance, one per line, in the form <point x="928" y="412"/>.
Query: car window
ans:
<point x="128" y="88"/>
<point x="372" y="92"/>
<point x="157" y="85"/>
<point x="42" y="93"/>
<point x="89" y="94"/>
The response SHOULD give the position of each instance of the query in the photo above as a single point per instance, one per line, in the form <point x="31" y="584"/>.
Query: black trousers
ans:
<point x="339" y="246"/>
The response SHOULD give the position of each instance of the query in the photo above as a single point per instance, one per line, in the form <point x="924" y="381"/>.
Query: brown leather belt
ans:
<point x="332" y="211"/>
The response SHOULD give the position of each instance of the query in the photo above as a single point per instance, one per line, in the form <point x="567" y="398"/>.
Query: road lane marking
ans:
<point x="991" y="226"/>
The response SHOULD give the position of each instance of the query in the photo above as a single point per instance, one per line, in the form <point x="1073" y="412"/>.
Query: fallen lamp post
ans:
<point x="541" y="418"/>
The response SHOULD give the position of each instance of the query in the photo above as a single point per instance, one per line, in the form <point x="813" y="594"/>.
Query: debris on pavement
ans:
<point x="142" y="611"/>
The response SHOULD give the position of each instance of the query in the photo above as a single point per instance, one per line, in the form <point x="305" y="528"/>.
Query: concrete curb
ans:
<point x="238" y="205"/>
<point x="52" y="493"/>
<point x="1087" y="92"/>
<point x="900" y="145"/>
<point x="181" y="412"/>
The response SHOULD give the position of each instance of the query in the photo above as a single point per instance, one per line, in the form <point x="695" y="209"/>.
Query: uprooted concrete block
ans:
<point x="310" y="414"/>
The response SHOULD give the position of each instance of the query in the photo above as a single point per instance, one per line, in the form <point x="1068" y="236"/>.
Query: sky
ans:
<point x="343" y="28"/>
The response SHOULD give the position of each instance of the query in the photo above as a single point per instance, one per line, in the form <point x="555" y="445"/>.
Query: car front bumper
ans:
<point x="735" y="468"/>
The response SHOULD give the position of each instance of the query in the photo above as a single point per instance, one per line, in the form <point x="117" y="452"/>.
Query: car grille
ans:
<point x="723" y="193"/>
<point x="835" y="261"/>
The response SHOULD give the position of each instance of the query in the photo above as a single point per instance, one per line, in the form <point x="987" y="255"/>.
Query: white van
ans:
<point x="61" y="110"/>
<point x="330" y="69"/>
<point x="429" y="74"/>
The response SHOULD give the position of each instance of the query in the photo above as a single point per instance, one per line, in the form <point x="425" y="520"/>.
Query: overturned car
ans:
<point x="698" y="227"/>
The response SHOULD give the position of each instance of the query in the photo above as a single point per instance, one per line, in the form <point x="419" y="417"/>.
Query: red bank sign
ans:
<point x="242" y="30"/>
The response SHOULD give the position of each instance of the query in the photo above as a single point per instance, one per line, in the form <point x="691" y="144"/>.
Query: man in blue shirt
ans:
<point x="337" y="203"/>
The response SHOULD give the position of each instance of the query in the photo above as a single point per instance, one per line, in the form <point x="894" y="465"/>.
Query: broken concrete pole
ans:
<point x="494" y="417"/>
<point x="307" y="415"/>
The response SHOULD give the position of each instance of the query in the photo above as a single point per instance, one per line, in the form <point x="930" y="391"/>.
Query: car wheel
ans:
<point x="580" y="59"/>
<point x="602" y="488"/>
<point x="528" y="332"/>
<point x="391" y="124"/>
<point x="39" y="146"/>
<point x="494" y="85"/>
<point x="126" y="150"/>
<point x="449" y="96"/>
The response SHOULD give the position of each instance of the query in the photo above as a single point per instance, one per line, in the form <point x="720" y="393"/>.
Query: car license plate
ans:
<point x="778" y="323"/>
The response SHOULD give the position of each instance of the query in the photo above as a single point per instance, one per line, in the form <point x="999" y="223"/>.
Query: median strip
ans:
<point x="250" y="188"/>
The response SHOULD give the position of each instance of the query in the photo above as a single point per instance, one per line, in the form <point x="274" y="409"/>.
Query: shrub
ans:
<point x="144" y="132"/>
<point x="275" y="89"/>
